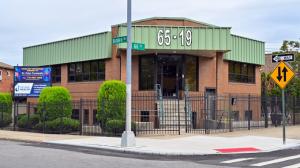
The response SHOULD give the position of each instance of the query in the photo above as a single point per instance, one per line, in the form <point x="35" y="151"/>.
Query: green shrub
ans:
<point x="111" y="101"/>
<point x="117" y="126"/>
<point x="5" y="103"/>
<point x="5" y="119"/>
<point x="56" y="101"/>
<point x="63" y="125"/>
<point x="25" y="122"/>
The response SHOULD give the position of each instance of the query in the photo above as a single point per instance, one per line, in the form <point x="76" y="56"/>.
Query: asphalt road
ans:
<point x="34" y="155"/>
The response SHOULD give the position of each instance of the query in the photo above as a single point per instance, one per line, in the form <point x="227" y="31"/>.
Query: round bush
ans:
<point x="56" y="102"/>
<point x="111" y="101"/>
<point x="5" y="103"/>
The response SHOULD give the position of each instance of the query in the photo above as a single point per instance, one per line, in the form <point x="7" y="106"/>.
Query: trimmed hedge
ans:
<point x="5" y="103"/>
<point x="111" y="101"/>
<point x="117" y="126"/>
<point x="65" y="125"/>
<point x="5" y="119"/>
<point x="25" y="122"/>
<point x="56" y="101"/>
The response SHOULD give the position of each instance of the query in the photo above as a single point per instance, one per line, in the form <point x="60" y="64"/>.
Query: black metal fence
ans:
<point x="153" y="114"/>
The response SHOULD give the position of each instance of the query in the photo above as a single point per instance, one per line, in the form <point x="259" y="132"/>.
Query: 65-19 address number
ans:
<point x="164" y="37"/>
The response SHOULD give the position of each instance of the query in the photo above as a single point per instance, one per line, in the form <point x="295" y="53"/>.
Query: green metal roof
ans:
<point x="90" y="47"/>
<point x="168" y="18"/>
<point x="246" y="50"/>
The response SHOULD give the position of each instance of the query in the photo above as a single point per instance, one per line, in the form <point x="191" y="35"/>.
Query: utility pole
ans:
<point x="128" y="137"/>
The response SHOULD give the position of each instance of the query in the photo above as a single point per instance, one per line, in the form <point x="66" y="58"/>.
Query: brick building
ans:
<point x="6" y="77"/>
<point x="179" y="52"/>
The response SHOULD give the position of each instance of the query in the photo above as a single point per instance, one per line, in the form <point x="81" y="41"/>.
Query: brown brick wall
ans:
<point x="6" y="85"/>
<point x="225" y="87"/>
<point x="269" y="66"/>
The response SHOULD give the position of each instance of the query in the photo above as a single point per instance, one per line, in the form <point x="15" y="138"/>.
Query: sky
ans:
<point x="30" y="22"/>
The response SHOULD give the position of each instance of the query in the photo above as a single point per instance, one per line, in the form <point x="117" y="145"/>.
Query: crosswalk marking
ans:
<point x="236" y="160"/>
<point x="293" y="166"/>
<point x="276" y="161"/>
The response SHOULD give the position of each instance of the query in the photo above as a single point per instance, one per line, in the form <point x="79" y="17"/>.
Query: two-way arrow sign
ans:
<point x="282" y="74"/>
<point x="279" y="77"/>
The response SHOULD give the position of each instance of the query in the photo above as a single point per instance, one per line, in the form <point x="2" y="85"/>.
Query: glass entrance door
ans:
<point x="169" y="74"/>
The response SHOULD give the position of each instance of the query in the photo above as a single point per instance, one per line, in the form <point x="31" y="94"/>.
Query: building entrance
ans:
<point x="169" y="74"/>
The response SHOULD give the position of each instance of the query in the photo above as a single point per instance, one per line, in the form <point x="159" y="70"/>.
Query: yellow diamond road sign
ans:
<point x="282" y="74"/>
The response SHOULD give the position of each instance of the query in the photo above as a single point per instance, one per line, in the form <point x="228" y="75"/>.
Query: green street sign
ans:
<point x="138" y="46"/>
<point x="118" y="40"/>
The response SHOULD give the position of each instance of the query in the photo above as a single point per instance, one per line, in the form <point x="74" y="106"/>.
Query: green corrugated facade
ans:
<point x="99" y="46"/>
<point x="91" y="47"/>
<point x="203" y="38"/>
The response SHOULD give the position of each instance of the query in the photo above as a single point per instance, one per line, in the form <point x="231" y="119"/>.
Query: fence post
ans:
<point x="264" y="103"/>
<point x="2" y="115"/>
<point x="44" y="116"/>
<point x="28" y="115"/>
<point x="294" y="110"/>
<point x="249" y="124"/>
<point x="205" y="113"/>
<point x="179" y="117"/>
<point x="230" y="114"/>
<point x="15" y="112"/>
<point x="61" y="119"/>
<point x="80" y="115"/>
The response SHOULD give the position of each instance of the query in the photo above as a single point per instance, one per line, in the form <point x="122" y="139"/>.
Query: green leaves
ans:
<point x="56" y="101"/>
<point x="111" y="101"/>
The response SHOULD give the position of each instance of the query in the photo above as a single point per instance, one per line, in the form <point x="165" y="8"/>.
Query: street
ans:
<point x="35" y="155"/>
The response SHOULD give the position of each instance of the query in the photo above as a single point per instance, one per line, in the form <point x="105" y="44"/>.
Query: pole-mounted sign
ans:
<point x="283" y="57"/>
<point x="282" y="75"/>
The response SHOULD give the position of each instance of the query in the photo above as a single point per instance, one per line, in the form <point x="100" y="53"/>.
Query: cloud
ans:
<point x="24" y="23"/>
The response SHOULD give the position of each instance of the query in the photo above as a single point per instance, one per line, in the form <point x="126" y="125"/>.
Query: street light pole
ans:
<point x="128" y="137"/>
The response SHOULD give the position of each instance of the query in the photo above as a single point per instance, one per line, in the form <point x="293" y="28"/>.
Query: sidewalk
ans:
<point x="260" y="140"/>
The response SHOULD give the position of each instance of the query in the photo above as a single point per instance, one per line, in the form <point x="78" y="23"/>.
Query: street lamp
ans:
<point x="128" y="137"/>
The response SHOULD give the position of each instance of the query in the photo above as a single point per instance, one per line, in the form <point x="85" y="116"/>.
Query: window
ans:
<point x="191" y="73"/>
<point x="56" y="73"/>
<point x="75" y="114"/>
<point x="86" y="71"/>
<point x="241" y="72"/>
<point x="0" y="75"/>
<point x="235" y="115"/>
<point x="248" y="115"/>
<point x="145" y="116"/>
<point x="95" y="117"/>
<point x="86" y="116"/>
<point x="147" y="72"/>
<point x="7" y="73"/>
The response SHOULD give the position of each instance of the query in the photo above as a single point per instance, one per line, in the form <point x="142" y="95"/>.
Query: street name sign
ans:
<point x="283" y="57"/>
<point x="282" y="74"/>
<point x="138" y="46"/>
<point x="118" y="40"/>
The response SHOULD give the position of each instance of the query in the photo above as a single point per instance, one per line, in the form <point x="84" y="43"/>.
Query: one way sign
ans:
<point x="282" y="74"/>
<point x="283" y="57"/>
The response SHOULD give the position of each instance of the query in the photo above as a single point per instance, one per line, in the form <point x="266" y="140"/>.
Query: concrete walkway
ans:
<point x="259" y="140"/>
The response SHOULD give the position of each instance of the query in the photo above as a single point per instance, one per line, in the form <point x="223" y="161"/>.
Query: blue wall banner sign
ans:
<point x="30" y="81"/>
<point x="33" y="74"/>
